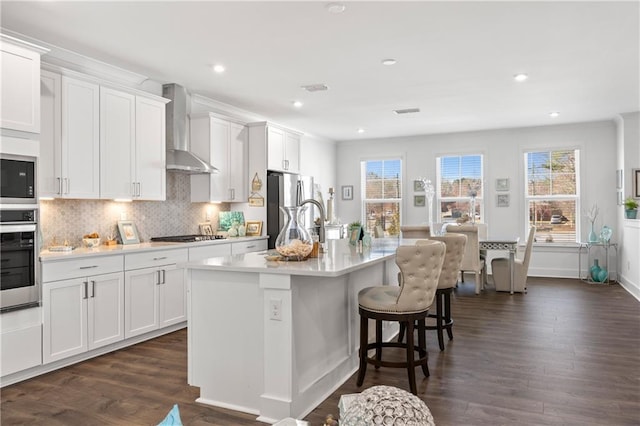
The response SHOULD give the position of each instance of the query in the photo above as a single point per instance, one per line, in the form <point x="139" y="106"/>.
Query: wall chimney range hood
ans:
<point x="179" y="159"/>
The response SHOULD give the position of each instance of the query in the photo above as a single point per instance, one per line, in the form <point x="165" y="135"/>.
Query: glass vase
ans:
<point x="293" y="241"/>
<point x="595" y="270"/>
<point x="593" y="237"/>
<point x="605" y="234"/>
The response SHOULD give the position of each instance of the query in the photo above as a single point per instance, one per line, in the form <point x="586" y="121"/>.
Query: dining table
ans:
<point x="509" y="245"/>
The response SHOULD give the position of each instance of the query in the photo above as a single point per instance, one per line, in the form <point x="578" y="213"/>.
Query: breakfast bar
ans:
<point x="275" y="338"/>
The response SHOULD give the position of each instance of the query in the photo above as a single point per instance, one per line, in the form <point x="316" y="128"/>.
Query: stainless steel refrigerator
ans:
<point x="287" y="189"/>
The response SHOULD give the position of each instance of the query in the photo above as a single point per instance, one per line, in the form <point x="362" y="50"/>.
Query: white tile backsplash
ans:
<point x="70" y="219"/>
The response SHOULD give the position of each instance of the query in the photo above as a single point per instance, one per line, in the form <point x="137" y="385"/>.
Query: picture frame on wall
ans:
<point x="502" y="184"/>
<point x="419" y="200"/>
<point x="128" y="232"/>
<point x="418" y="185"/>
<point x="502" y="200"/>
<point x="347" y="192"/>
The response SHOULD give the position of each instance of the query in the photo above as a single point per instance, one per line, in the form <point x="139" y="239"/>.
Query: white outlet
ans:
<point x="275" y="309"/>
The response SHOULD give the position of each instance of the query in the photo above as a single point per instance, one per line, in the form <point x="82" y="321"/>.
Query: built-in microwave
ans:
<point x="18" y="179"/>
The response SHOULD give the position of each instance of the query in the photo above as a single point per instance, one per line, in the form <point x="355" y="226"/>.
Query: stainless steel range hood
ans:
<point x="179" y="159"/>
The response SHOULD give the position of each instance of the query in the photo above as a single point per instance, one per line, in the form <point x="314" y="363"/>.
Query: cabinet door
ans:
<point x="275" y="149"/>
<point x="210" y="140"/>
<point x="64" y="324"/>
<point x="150" y="149"/>
<point x="105" y="320"/>
<point x="20" y="82"/>
<point x="80" y="139"/>
<point x="248" y="246"/>
<point x="50" y="160"/>
<point x="117" y="151"/>
<point x="141" y="293"/>
<point x="173" y="296"/>
<point x="292" y="152"/>
<point x="238" y="144"/>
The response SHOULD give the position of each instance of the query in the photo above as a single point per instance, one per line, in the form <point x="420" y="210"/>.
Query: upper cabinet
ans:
<point x="282" y="146"/>
<point x="132" y="146"/>
<point x="224" y="144"/>
<point x="20" y="82"/>
<point x="100" y="142"/>
<point x="69" y="165"/>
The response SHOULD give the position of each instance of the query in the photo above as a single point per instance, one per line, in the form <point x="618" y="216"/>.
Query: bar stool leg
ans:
<point x="422" y="344"/>
<point x="411" y="369"/>
<point x="364" y="340"/>
<point x="439" y="320"/>
<point x="447" y="314"/>
<point x="378" y="342"/>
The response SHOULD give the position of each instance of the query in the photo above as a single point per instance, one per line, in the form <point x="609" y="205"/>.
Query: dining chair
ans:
<point x="415" y="231"/>
<point x="471" y="260"/>
<point x="500" y="269"/>
<point x="408" y="303"/>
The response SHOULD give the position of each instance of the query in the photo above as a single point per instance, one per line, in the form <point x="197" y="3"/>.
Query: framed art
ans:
<point x="502" y="184"/>
<point x="128" y="232"/>
<point x="206" y="229"/>
<point x="256" y="200"/>
<point x="419" y="200"/>
<point x="254" y="228"/>
<point x="635" y="181"/>
<point x="619" y="179"/>
<point x="347" y="192"/>
<point x="502" y="200"/>
<point x="354" y="234"/>
<point x="418" y="185"/>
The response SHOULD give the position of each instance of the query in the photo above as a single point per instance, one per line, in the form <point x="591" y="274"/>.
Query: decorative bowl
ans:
<point x="91" y="242"/>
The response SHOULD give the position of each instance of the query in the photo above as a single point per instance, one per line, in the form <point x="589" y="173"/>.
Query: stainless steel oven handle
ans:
<point x="17" y="228"/>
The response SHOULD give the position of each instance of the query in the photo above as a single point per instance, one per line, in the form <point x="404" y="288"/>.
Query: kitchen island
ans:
<point x="275" y="338"/>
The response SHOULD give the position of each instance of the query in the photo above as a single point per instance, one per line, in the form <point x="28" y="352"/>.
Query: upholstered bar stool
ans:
<point x="471" y="261"/>
<point x="408" y="303"/>
<point x="415" y="231"/>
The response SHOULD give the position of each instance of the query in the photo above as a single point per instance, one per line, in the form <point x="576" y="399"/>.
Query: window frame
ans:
<point x="577" y="198"/>
<point x="363" y="188"/>
<point x="480" y="201"/>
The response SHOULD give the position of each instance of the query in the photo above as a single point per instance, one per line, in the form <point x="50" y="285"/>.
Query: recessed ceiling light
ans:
<point x="520" y="77"/>
<point x="297" y="104"/>
<point x="360" y="130"/>
<point x="335" y="8"/>
<point x="388" y="61"/>
<point x="554" y="114"/>
<point x="218" y="68"/>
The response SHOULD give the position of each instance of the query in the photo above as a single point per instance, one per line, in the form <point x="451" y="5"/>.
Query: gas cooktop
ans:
<point x="187" y="238"/>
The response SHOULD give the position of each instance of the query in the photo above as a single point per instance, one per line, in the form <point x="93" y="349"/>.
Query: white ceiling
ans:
<point x="456" y="60"/>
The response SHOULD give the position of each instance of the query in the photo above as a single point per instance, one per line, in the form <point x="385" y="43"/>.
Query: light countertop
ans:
<point x="103" y="250"/>
<point x="341" y="258"/>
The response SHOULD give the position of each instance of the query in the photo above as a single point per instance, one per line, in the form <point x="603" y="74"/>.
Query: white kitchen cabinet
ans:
<point x="155" y="291"/>
<point x="282" y="146"/>
<point x="207" y="251"/>
<point x="20" y="82"/>
<point x="224" y="144"/>
<point x="20" y="340"/>
<point x="81" y="314"/>
<point x="50" y="161"/>
<point x="132" y="146"/>
<point x="77" y="174"/>
<point x="241" y="247"/>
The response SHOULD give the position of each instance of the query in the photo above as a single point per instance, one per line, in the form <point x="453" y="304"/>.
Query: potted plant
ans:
<point x="630" y="208"/>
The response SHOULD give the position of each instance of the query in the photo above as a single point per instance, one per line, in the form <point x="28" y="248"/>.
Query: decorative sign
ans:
<point x="256" y="200"/>
<point x="256" y="183"/>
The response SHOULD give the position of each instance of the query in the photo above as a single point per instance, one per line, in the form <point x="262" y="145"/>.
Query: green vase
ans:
<point x="595" y="270"/>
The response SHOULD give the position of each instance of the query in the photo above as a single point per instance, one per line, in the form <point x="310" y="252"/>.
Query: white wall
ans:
<point x="503" y="158"/>
<point x="318" y="159"/>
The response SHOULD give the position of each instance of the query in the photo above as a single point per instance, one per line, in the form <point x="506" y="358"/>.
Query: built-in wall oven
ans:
<point x="19" y="280"/>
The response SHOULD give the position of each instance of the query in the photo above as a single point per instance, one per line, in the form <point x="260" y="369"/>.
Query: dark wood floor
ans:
<point x="567" y="353"/>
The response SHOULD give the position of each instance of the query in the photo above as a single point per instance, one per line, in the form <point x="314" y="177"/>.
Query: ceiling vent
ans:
<point x="315" y="87"/>
<point x="406" y="111"/>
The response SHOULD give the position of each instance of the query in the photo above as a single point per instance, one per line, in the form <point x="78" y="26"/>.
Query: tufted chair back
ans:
<point x="415" y="231"/>
<point x="471" y="258"/>
<point x="420" y="268"/>
<point x="455" y="244"/>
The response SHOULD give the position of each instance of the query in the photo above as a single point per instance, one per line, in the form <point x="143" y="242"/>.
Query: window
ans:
<point x="460" y="187"/>
<point x="552" y="194"/>
<point x="382" y="186"/>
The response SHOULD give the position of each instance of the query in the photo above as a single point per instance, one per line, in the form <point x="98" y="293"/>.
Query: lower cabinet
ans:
<point x="154" y="298"/>
<point x="81" y="314"/>
<point x="20" y="340"/>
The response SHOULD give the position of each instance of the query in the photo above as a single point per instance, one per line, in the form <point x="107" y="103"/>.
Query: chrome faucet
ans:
<point x="321" y="238"/>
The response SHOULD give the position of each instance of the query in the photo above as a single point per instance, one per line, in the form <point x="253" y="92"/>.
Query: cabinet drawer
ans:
<point x="155" y="258"/>
<point x="77" y="268"/>
<point x="205" y="252"/>
<point x="248" y="246"/>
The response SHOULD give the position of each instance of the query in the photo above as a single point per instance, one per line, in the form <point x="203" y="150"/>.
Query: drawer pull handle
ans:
<point x="89" y="267"/>
<point x="160" y="258"/>
<point x="252" y="246"/>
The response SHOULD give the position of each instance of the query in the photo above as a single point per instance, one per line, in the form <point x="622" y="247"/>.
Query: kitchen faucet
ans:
<point x="321" y="238"/>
